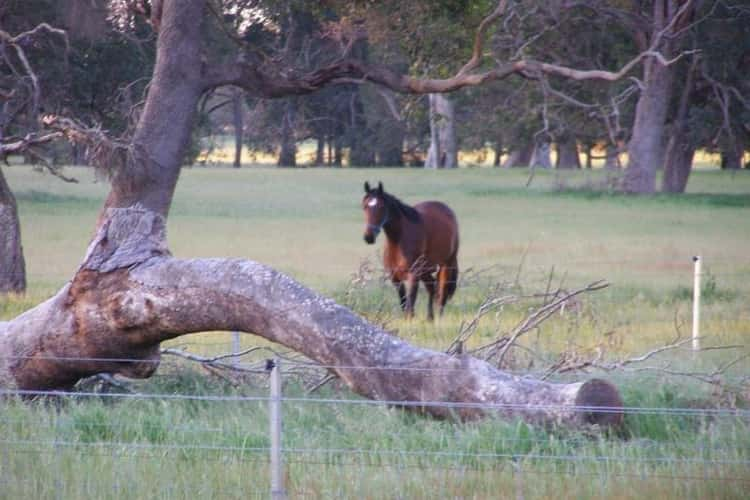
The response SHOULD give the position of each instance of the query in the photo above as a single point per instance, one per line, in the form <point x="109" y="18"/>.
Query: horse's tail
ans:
<point x="451" y="281"/>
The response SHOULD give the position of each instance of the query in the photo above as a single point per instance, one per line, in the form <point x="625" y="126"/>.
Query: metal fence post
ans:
<point x="278" y="490"/>
<point x="696" y="303"/>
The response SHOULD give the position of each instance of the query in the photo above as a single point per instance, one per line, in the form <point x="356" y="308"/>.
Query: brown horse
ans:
<point x="421" y="245"/>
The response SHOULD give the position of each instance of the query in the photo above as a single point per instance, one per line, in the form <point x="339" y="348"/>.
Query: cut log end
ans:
<point x="598" y="393"/>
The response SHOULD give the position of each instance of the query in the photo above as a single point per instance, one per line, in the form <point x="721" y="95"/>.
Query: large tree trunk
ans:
<point x="679" y="162"/>
<point x="680" y="149"/>
<point x="443" y="152"/>
<point x="647" y="146"/>
<point x="129" y="294"/>
<point x="567" y="153"/>
<point x="12" y="265"/>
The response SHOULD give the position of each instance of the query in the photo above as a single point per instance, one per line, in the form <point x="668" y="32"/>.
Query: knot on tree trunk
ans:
<point x="128" y="236"/>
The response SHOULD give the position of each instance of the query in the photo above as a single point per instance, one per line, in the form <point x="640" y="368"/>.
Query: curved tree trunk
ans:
<point x="129" y="294"/>
<point x="12" y="265"/>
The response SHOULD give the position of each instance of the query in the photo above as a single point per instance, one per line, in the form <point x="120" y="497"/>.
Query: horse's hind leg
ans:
<point x="412" y="287"/>
<point x="447" y="278"/>
<point x="401" y="289"/>
<point x="429" y="284"/>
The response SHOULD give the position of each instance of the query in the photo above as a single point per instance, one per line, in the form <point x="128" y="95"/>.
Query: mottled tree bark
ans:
<point x="647" y="146"/>
<point x="130" y="294"/>
<point x="443" y="152"/>
<point x="12" y="265"/>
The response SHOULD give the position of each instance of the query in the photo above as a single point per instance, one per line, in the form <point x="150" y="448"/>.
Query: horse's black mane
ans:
<point x="407" y="210"/>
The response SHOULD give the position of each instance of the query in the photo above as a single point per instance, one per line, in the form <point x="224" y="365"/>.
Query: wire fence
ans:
<point x="311" y="444"/>
<point x="322" y="434"/>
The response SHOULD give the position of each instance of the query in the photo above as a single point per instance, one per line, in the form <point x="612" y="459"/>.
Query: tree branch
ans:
<point x="268" y="81"/>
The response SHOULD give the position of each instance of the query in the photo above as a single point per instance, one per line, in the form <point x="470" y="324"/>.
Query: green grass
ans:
<point x="308" y="223"/>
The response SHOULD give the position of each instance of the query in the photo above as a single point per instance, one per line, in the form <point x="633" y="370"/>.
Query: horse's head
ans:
<point x="376" y="211"/>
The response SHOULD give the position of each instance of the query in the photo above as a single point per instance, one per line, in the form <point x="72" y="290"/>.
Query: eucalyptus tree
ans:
<point x="712" y="108"/>
<point x="130" y="294"/>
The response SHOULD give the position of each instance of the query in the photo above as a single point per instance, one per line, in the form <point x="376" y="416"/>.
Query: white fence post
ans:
<point x="696" y="303"/>
<point x="278" y="491"/>
<point x="236" y="347"/>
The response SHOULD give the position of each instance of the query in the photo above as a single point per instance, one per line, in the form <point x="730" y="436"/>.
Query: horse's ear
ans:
<point x="367" y="187"/>
<point x="380" y="188"/>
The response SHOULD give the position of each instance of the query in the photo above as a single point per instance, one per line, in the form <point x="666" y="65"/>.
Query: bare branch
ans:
<point x="712" y="377"/>
<point x="476" y="55"/>
<point x="217" y="361"/>
<point x="102" y="151"/>
<point x="270" y="82"/>
<point x="16" y="43"/>
<point x="501" y="346"/>
<point x="16" y="146"/>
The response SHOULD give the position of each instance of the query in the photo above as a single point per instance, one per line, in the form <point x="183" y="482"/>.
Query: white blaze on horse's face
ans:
<point x="375" y="217"/>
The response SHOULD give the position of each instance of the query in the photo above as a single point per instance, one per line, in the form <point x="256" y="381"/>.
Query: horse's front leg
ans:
<point x="412" y="287"/>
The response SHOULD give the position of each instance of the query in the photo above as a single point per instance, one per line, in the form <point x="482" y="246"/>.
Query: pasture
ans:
<point x="308" y="223"/>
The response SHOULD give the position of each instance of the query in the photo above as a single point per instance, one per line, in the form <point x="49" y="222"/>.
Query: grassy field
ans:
<point x="308" y="223"/>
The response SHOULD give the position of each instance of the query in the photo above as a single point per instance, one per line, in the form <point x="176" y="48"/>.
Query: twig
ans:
<point x="501" y="346"/>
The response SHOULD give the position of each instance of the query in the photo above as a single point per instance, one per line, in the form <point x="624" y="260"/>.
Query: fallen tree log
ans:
<point x="130" y="294"/>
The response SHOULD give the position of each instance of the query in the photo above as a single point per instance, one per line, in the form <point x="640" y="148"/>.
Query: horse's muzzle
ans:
<point x="369" y="238"/>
